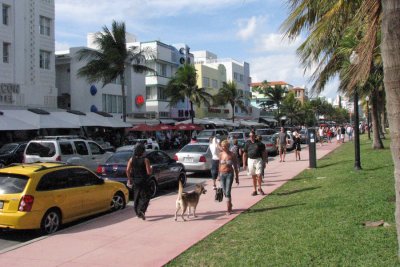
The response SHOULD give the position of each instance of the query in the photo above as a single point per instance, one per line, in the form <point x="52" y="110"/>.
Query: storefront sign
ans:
<point x="6" y="91"/>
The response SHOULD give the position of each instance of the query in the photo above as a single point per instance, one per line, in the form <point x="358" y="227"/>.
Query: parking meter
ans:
<point x="312" y="147"/>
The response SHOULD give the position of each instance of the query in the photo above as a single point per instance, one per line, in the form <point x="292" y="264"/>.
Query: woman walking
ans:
<point x="228" y="166"/>
<point x="138" y="172"/>
<point x="297" y="145"/>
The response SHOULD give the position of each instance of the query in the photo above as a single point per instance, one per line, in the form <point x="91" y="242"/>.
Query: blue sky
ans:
<point x="245" y="30"/>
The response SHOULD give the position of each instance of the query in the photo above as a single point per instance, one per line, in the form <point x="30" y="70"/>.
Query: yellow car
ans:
<point x="46" y="195"/>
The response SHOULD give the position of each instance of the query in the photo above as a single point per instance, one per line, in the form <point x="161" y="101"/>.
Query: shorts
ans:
<point x="282" y="148"/>
<point x="214" y="169"/>
<point x="255" y="166"/>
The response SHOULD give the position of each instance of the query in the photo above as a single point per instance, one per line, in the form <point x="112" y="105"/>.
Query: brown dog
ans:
<point x="188" y="199"/>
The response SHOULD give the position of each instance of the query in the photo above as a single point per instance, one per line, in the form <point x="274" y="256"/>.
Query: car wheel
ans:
<point x="182" y="177"/>
<point x="51" y="222"/>
<point x="153" y="187"/>
<point x="117" y="202"/>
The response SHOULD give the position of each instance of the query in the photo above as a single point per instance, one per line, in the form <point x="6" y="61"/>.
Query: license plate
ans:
<point x="1" y="204"/>
<point x="188" y="159"/>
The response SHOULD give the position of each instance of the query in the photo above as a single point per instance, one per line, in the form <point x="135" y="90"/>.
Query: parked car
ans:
<point x="195" y="157"/>
<point x="270" y="144"/>
<point x="66" y="149"/>
<point x="12" y="153"/>
<point x="204" y="136"/>
<point x="46" y="195"/>
<point x="105" y="145"/>
<point x="241" y="136"/>
<point x="130" y="148"/>
<point x="165" y="170"/>
<point x="304" y="136"/>
<point x="265" y="131"/>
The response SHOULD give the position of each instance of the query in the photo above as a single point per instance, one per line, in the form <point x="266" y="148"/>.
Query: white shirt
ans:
<point x="214" y="149"/>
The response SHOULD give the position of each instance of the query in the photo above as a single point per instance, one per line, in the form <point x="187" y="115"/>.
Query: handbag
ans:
<point x="219" y="194"/>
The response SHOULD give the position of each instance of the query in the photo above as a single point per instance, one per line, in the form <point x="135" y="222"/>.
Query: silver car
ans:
<point x="195" y="157"/>
<point x="270" y="144"/>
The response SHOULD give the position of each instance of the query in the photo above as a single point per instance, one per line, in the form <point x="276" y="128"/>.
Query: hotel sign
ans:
<point x="7" y="90"/>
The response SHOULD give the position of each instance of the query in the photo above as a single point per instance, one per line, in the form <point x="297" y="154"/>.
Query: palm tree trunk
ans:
<point x="391" y="70"/>
<point x="191" y="112"/>
<point x="377" y="142"/>
<point x="233" y="113"/>
<point x="123" y="98"/>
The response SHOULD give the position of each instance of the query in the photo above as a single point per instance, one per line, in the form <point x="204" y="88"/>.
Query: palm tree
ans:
<point x="230" y="94"/>
<point x="291" y="107"/>
<point x="326" y="21"/>
<point x="112" y="58"/>
<point x="184" y="85"/>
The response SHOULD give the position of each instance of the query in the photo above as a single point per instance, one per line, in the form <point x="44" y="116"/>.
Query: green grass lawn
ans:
<point x="316" y="219"/>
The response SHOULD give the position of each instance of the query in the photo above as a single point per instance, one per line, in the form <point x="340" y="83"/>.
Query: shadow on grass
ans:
<point x="322" y="165"/>
<point x="296" y="191"/>
<point x="273" y="208"/>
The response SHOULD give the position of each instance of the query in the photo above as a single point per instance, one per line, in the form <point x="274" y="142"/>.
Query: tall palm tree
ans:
<point x="326" y="21"/>
<point x="184" y="85"/>
<point x="229" y="93"/>
<point x="291" y="107"/>
<point x="112" y="58"/>
<point x="275" y="94"/>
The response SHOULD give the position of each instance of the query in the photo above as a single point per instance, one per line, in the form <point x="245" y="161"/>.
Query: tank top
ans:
<point x="139" y="168"/>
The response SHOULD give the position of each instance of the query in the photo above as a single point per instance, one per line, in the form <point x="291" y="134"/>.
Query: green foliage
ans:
<point x="316" y="219"/>
<point x="291" y="107"/>
<point x="184" y="85"/>
<point x="229" y="93"/>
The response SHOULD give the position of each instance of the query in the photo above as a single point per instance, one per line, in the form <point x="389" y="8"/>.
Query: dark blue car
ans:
<point x="165" y="169"/>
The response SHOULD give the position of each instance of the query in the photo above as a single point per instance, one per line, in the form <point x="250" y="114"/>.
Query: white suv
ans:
<point x="204" y="136"/>
<point x="66" y="149"/>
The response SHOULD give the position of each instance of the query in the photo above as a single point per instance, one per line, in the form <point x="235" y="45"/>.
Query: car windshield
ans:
<point x="12" y="183"/>
<point x="8" y="148"/>
<point x="120" y="157"/>
<point x="206" y="134"/>
<point x="195" y="148"/>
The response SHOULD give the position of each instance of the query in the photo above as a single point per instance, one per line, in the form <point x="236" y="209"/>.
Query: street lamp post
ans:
<point x="369" y="131"/>
<point x="357" y="160"/>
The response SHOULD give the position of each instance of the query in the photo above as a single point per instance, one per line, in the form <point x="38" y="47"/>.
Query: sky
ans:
<point x="244" y="30"/>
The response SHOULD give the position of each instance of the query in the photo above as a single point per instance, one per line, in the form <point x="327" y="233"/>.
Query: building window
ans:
<point x="151" y="93"/>
<point x="112" y="103"/>
<point x="162" y="71"/>
<point x="214" y="83"/>
<point x="206" y="82"/>
<point x="236" y="76"/>
<point x="161" y="93"/>
<point x="241" y="77"/>
<point x="163" y="114"/>
<point x="6" y="14"/>
<point x="45" y="26"/>
<point x="6" y="53"/>
<point x="180" y="113"/>
<point x="44" y="60"/>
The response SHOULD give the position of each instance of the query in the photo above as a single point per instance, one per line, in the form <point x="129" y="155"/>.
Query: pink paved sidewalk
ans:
<point x="121" y="239"/>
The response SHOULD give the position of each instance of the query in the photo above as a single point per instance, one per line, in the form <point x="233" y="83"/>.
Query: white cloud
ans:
<point x="62" y="46"/>
<point x="247" y="28"/>
<point x="274" y="42"/>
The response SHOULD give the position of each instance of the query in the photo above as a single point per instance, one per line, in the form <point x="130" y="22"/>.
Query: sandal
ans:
<point x="254" y="193"/>
<point x="261" y="192"/>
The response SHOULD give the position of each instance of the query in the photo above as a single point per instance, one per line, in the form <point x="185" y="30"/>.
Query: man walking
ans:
<point x="215" y="150"/>
<point x="254" y="154"/>
<point x="282" y="143"/>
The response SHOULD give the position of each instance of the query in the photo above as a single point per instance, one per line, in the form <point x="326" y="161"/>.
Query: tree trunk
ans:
<point x="233" y="113"/>
<point x="191" y="112"/>
<point x="381" y="112"/>
<point x="377" y="142"/>
<point x="123" y="97"/>
<point x="391" y="68"/>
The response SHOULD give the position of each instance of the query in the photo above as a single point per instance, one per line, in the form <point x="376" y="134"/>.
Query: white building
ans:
<point x="236" y="71"/>
<point x="77" y="94"/>
<point x="166" y="61"/>
<point x="27" y="66"/>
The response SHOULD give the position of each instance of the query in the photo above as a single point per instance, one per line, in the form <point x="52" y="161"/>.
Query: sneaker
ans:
<point x="254" y="193"/>
<point x="261" y="192"/>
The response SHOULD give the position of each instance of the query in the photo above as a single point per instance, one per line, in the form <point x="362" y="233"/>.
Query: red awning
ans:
<point x="142" y="128"/>
<point x="188" y="127"/>
<point x="163" y="127"/>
